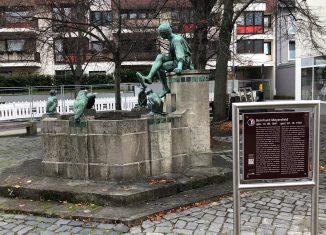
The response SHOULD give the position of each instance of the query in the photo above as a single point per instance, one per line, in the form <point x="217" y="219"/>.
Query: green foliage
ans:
<point x="97" y="79"/>
<point x="128" y="75"/>
<point x="57" y="80"/>
<point x="26" y="80"/>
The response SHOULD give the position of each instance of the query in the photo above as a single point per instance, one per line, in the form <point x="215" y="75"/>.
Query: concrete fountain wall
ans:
<point x="127" y="146"/>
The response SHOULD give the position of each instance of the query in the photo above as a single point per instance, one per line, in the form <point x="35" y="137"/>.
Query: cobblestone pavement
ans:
<point x="267" y="212"/>
<point x="15" y="150"/>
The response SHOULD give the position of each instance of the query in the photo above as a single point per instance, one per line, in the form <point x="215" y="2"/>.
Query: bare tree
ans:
<point x="109" y="24"/>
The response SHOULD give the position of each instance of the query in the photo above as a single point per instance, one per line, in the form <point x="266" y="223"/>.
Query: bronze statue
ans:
<point x="83" y="101"/>
<point x="155" y="103"/>
<point x="52" y="103"/>
<point x="178" y="59"/>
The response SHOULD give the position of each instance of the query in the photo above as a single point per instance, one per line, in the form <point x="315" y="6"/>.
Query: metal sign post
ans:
<point x="298" y="122"/>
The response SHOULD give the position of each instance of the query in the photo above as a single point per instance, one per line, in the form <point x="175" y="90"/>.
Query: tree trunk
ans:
<point x="117" y="77"/>
<point x="200" y="41"/>
<point x="223" y="54"/>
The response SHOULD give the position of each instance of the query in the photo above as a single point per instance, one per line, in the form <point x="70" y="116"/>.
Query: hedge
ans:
<point x="46" y="80"/>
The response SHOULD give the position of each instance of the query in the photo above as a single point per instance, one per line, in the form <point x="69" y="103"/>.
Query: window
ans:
<point x="63" y="72"/>
<point x="3" y="46"/>
<point x="95" y="73"/>
<point x="250" y="22"/>
<point x="66" y="48"/>
<point x="16" y="16"/>
<point x="291" y="27"/>
<point x="267" y="48"/>
<point x="138" y="14"/>
<point x="250" y="46"/>
<point x="15" y="45"/>
<point x="97" y="46"/>
<point x="63" y="13"/>
<point x="101" y="18"/>
<point x="267" y="21"/>
<point x="185" y="16"/>
<point x="291" y="50"/>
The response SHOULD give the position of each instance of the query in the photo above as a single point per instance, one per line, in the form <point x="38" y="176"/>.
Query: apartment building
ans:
<point x="285" y="49"/>
<point x="18" y="53"/>
<point x="311" y="56"/>
<point x="254" y="41"/>
<point x="252" y="63"/>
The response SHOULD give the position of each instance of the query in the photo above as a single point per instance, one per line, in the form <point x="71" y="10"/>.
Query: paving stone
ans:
<point x="53" y="227"/>
<point x="48" y="233"/>
<point x="107" y="226"/>
<point x="98" y="232"/>
<point x="3" y="223"/>
<point x="149" y="230"/>
<point x="255" y="219"/>
<point x="75" y="223"/>
<point x="214" y="227"/>
<point x="121" y="228"/>
<point x="9" y="226"/>
<point x="191" y="226"/>
<point x="76" y="229"/>
<point x="199" y="232"/>
<point x="280" y="231"/>
<point x="275" y="201"/>
<point x="20" y="217"/>
<point x="31" y="222"/>
<point x="163" y="230"/>
<point x="63" y="228"/>
<point x="50" y="220"/>
<point x="182" y="231"/>
<point x="264" y="231"/>
<point x="180" y="224"/>
<point x="44" y="225"/>
<point x="63" y="221"/>
<point x="164" y="224"/>
<point x="85" y="231"/>
<point x="147" y="224"/>
<point x="17" y="228"/>
<point x="247" y="233"/>
<point x="135" y="230"/>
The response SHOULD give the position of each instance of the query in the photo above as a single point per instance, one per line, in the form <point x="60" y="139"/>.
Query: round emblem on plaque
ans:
<point x="251" y="122"/>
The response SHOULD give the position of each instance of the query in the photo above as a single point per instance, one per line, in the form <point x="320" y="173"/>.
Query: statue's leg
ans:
<point x="163" y="79"/>
<point x="167" y="66"/>
<point x="155" y="67"/>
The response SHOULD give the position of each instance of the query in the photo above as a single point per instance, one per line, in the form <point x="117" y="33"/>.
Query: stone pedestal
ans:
<point x="192" y="95"/>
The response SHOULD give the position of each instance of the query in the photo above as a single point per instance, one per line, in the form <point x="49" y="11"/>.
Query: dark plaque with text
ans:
<point x="276" y="145"/>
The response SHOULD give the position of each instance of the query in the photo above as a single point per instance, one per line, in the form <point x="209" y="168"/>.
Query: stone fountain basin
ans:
<point x="118" y="146"/>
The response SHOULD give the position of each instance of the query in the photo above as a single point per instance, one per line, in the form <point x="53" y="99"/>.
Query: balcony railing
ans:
<point x="141" y="56"/>
<point x="25" y="24"/>
<point x="9" y="57"/>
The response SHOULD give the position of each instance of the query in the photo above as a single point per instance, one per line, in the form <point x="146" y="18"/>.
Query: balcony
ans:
<point x="141" y="56"/>
<point x="250" y="29"/>
<point x="19" y="59"/>
<point x="19" y="25"/>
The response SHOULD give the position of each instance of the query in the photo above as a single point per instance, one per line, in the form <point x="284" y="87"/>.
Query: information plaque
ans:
<point x="276" y="145"/>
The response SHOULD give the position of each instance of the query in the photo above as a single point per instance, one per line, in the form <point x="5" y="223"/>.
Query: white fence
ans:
<point x="35" y="109"/>
<point x="18" y="110"/>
